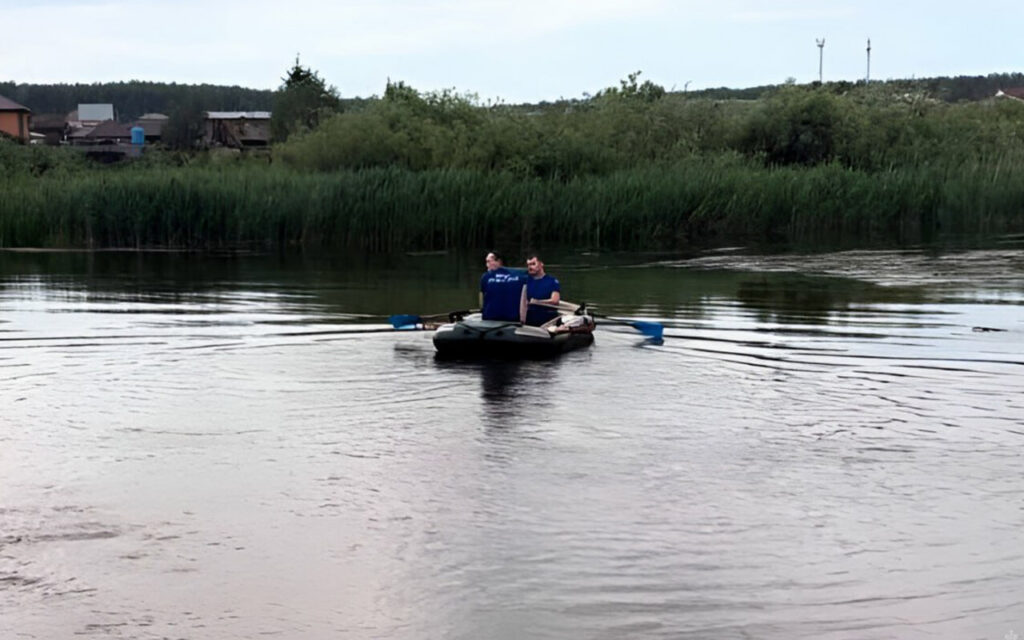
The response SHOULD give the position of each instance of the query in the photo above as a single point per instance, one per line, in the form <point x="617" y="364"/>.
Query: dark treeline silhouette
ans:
<point x="947" y="89"/>
<point x="134" y="98"/>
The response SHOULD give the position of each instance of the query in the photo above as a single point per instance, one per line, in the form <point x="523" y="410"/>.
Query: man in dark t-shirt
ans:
<point x="540" y="287"/>
<point x="502" y="291"/>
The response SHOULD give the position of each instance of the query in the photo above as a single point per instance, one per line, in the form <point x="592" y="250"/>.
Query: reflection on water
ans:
<point x="824" y="446"/>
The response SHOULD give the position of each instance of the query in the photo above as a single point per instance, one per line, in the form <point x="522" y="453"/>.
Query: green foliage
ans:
<point x="837" y="163"/>
<point x="184" y="126"/>
<point x="795" y="126"/>
<point x="302" y="101"/>
<point x="710" y="198"/>
<point x="943" y="89"/>
<point x="20" y="161"/>
<point x="441" y="129"/>
<point x="628" y="89"/>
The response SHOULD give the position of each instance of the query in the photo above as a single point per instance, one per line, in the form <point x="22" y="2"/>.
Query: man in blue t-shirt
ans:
<point x="540" y="287"/>
<point x="502" y="291"/>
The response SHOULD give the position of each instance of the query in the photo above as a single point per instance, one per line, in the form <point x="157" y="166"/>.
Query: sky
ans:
<point x="512" y="51"/>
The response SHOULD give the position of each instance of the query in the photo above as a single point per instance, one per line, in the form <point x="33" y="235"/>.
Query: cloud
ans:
<point x="106" y="39"/>
<point x="394" y="26"/>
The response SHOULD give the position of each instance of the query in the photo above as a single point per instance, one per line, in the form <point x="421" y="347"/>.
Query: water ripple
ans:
<point x="279" y="462"/>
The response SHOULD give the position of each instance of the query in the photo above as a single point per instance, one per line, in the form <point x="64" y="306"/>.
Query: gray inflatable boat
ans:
<point x="473" y="337"/>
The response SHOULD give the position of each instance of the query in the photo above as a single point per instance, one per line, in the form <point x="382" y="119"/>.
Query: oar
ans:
<point x="405" y="321"/>
<point x="653" y="330"/>
<point x="409" y="321"/>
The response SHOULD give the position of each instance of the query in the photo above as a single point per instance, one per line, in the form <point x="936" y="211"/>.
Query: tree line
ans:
<point x="134" y="98"/>
<point x="944" y="88"/>
<point x="864" y="127"/>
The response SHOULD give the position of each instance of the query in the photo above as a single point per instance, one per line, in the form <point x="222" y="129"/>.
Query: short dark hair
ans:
<point x="530" y="255"/>
<point x="497" y="256"/>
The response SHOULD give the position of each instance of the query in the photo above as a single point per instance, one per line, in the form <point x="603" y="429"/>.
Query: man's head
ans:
<point x="494" y="260"/>
<point x="534" y="266"/>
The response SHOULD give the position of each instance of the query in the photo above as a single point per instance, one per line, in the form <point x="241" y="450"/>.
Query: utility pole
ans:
<point x="821" y="57"/>
<point x="867" y="78"/>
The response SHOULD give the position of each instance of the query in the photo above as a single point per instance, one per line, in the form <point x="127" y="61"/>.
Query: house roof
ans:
<point x="110" y="129"/>
<point x="1014" y="92"/>
<point x="238" y="115"/>
<point x="153" y="116"/>
<point x="6" y="104"/>
<point x="47" y="121"/>
<point x="95" y="112"/>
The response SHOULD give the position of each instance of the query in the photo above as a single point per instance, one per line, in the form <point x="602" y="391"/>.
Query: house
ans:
<point x="91" y="115"/>
<point x="109" y="132"/>
<point x="236" y="129"/>
<point x="152" y="125"/>
<point x="1016" y="93"/>
<point x="108" y="141"/>
<point x="87" y="116"/>
<point x="51" y="126"/>
<point x="14" y="119"/>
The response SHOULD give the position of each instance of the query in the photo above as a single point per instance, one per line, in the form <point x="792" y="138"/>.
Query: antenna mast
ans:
<point x="821" y="57"/>
<point x="867" y="78"/>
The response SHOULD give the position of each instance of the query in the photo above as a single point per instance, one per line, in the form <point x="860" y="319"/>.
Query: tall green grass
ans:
<point x="412" y="171"/>
<point x="708" y="199"/>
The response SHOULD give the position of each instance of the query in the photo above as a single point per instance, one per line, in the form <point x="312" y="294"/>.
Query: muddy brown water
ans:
<point x="824" y="446"/>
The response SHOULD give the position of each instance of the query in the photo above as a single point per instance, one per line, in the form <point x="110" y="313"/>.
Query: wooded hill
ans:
<point x="135" y="97"/>
<point x="946" y="89"/>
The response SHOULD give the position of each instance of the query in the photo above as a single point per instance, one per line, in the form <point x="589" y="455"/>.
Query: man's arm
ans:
<point x="554" y="299"/>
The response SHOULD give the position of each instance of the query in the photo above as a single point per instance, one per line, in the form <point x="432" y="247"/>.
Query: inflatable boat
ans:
<point x="471" y="336"/>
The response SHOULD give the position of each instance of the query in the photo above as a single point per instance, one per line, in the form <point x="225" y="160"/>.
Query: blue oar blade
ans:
<point x="405" y="321"/>
<point x="653" y="330"/>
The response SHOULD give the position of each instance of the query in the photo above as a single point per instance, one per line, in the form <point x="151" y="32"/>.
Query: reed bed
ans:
<point x="711" y="199"/>
<point x="418" y="171"/>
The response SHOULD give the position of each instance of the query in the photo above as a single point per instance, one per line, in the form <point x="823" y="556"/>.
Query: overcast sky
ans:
<point x="515" y="50"/>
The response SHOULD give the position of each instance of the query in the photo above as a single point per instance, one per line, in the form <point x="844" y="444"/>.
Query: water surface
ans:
<point x="825" y="446"/>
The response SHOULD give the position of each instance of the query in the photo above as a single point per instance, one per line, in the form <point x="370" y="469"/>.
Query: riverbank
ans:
<point x="708" y="200"/>
<point x="629" y="169"/>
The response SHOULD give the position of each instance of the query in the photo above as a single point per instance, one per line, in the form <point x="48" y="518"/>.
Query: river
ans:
<point x="825" y="445"/>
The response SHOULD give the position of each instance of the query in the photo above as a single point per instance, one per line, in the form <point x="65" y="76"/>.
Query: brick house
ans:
<point x="14" y="120"/>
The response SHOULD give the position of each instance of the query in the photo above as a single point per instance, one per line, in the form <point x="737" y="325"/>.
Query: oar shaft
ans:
<point x="401" y="321"/>
<point x="648" y="328"/>
<point x="564" y="306"/>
